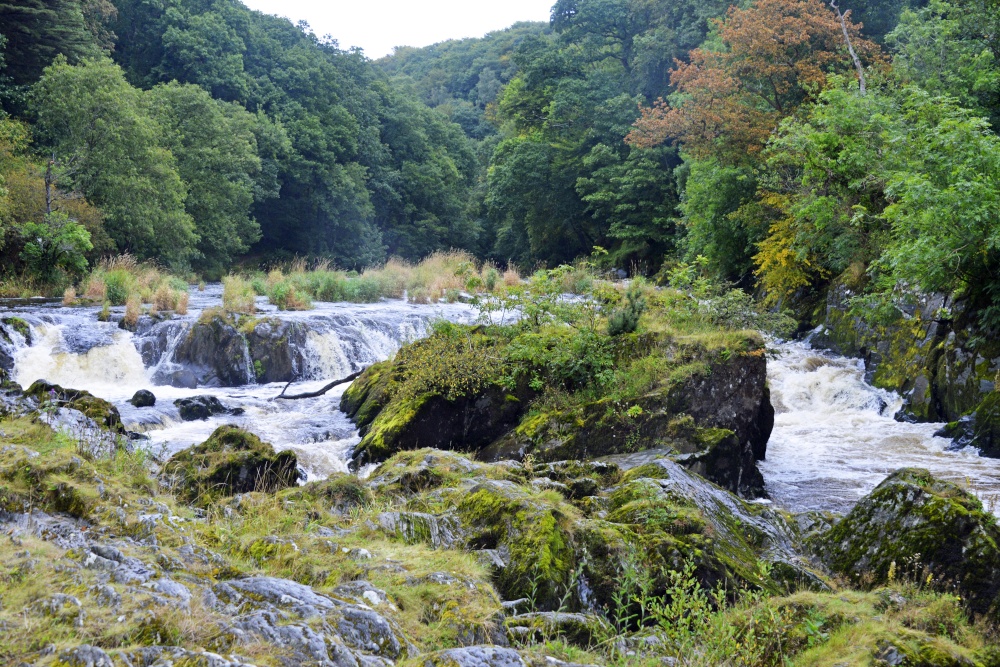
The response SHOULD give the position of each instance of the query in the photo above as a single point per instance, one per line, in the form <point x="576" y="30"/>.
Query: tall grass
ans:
<point x="442" y="275"/>
<point x="123" y="279"/>
<point x="238" y="295"/>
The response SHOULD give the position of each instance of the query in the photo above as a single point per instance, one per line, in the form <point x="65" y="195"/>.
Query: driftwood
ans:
<point x="318" y="392"/>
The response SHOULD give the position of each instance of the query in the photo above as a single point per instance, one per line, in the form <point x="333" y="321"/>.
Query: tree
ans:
<point x="900" y="182"/>
<point x="946" y="48"/>
<point x="56" y="243"/>
<point x="767" y="60"/>
<point x="99" y="131"/>
<point x="39" y="30"/>
<point x="216" y="152"/>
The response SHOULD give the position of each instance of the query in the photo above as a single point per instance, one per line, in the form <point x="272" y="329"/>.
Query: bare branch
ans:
<point x="319" y="392"/>
<point x="850" y="49"/>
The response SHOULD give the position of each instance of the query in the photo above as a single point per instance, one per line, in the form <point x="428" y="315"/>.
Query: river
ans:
<point x="834" y="437"/>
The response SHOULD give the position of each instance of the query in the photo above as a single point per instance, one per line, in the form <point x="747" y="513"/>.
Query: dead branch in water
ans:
<point x="318" y="392"/>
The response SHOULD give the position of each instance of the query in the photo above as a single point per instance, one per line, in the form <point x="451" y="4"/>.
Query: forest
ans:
<point x="775" y="144"/>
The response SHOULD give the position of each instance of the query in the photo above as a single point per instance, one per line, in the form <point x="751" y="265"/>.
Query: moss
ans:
<point x="231" y="461"/>
<point x="18" y="325"/>
<point x="927" y="528"/>
<point x="102" y="412"/>
<point x="535" y="528"/>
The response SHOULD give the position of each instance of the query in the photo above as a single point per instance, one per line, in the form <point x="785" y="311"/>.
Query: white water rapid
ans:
<point x="71" y="348"/>
<point x="835" y="438"/>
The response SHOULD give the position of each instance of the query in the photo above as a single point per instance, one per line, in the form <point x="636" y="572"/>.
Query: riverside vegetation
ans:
<point x="526" y="546"/>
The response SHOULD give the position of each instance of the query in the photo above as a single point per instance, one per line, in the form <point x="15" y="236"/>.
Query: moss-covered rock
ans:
<point x="711" y="406"/>
<point x="231" y="461"/>
<point x="980" y="428"/>
<point x="102" y="412"/>
<point x="933" y="353"/>
<point x="915" y="525"/>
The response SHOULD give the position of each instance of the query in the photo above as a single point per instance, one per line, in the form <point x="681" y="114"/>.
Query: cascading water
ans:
<point x="72" y="348"/>
<point x="835" y="438"/>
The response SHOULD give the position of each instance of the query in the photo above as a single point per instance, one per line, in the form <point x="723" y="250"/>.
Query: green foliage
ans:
<point x="912" y="213"/>
<point x="944" y="48"/>
<point x="58" y="243"/>
<point x="215" y="146"/>
<point x="626" y="319"/>
<point x="96" y="125"/>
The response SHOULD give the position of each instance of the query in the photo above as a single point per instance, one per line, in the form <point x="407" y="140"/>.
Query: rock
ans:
<point x="475" y="656"/>
<point x="911" y="516"/>
<point x="228" y="350"/>
<point x="200" y="407"/>
<point x="467" y="423"/>
<point x="717" y="415"/>
<point x="215" y="350"/>
<point x="102" y="412"/>
<point x="85" y="656"/>
<point x="438" y="531"/>
<point x="143" y="399"/>
<point x="979" y="429"/>
<point x="580" y="629"/>
<point x="274" y="592"/>
<point x="936" y="354"/>
<point x="231" y="461"/>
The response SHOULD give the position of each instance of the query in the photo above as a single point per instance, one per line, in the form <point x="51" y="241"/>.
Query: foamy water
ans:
<point x="835" y="438"/>
<point x="72" y="348"/>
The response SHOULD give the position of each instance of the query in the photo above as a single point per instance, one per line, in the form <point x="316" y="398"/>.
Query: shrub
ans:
<point x="69" y="296"/>
<point x="238" y="295"/>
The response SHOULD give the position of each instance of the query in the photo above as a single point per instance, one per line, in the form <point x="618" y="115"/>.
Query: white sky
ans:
<point x="379" y="25"/>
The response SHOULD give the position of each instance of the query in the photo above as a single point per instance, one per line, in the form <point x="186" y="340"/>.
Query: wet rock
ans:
<point x="927" y="527"/>
<point x="143" y="399"/>
<point x="231" y="461"/>
<point x="936" y="355"/>
<point x="102" y="412"/>
<point x="200" y="407"/>
<point x="215" y="350"/>
<point x="979" y="429"/>
<point x="276" y="348"/>
<point x="14" y="332"/>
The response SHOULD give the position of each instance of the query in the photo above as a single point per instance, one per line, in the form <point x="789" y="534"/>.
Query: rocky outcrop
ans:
<point x="565" y="551"/>
<point x="713" y="411"/>
<point x="933" y="352"/>
<point x="233" y="350"/>
<point x="102" y="412"/>
<point x="231" y="461"/>
<point x="916" y="526"/>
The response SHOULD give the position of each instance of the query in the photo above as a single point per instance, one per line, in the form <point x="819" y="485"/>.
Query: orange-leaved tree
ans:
<point x="774" y="55"/>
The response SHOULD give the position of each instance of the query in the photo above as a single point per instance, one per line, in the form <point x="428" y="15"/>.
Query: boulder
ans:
<point x="980" y="428"/>
<point x="918" y="526"/>
<point x="102" y="412"/>
<point x="231" y="461"/>
<point x="475" y="656"/>
<point x="228" y="350"/>
<point x="143" y="399"/>
<point x="202" y="407"/>
<point x="215" y="350"/>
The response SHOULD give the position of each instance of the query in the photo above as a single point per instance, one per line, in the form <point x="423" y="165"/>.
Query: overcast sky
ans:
<point x="379" y="25"/>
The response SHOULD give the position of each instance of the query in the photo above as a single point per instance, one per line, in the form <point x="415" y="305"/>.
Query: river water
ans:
<point x="834" y="438"/>
<point x="73" y="349"/>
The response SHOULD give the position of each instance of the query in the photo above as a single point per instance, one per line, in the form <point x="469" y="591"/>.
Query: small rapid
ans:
<point x="70" y="347"/>
<point x="835" y="437"/>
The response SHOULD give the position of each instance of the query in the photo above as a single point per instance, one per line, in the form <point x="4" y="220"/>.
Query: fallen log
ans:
<point x="318" y="392"/>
